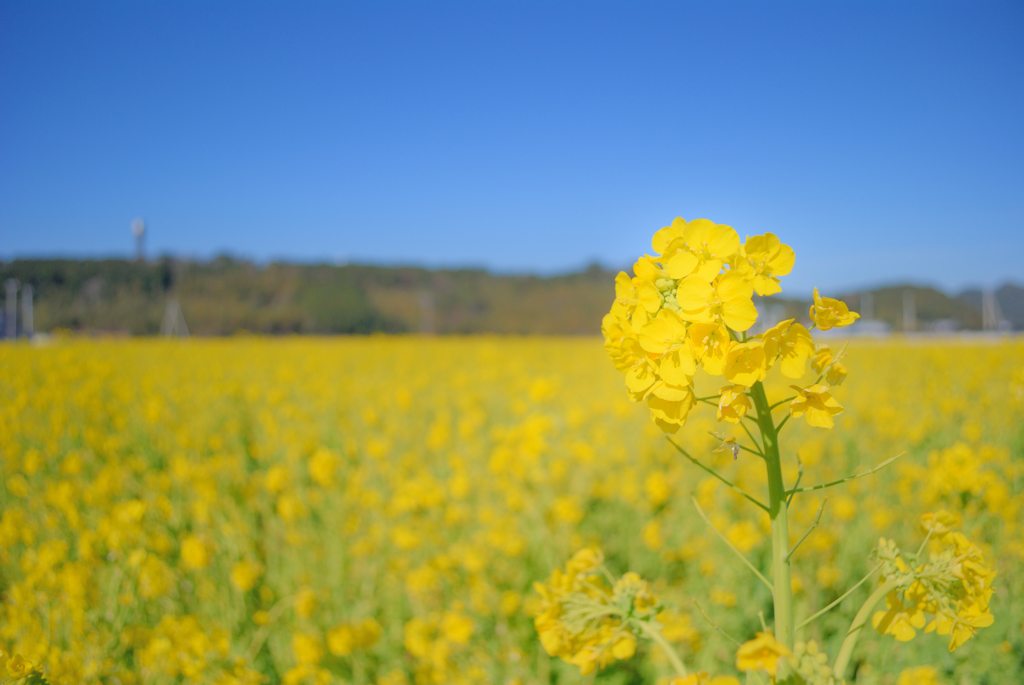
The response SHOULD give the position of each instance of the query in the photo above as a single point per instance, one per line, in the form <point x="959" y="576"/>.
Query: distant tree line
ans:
<point x="225" y="296"/>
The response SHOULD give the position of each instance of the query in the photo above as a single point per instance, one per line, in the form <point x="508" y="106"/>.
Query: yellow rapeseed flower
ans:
<point x="763" y="259"/>
<point x="745" y="363"/>
<point x="18" y="667"/>
<point x="816" y="404"/>
<point x="791" y="344"/>
<point x="710" y="343"/>
<point x="727" y="299"/>
<point x="828" y="313"/>
<point x="666" y="336"/>
<point x="699" y="247"/>
<point x="761" y="653"/>
<point x="733" y="403"/>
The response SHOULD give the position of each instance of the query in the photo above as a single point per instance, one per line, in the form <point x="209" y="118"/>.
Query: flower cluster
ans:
<point x="806" y="663"/>
<point x="954" y="586"/>
<point x="589" y="624"/>
<point x="690" y="306"/>
<point x="810" y="664"/>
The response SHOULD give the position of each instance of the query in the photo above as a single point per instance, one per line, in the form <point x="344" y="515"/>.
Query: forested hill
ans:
<point x="226" y="296"/>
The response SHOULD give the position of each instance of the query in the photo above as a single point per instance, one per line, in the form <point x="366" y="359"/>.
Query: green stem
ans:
<point x="670" y="652"/>
<point x="846" y="651"/>
<point x="778" y="513"/>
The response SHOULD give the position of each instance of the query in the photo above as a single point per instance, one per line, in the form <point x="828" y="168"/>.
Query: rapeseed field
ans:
<point x="377" y="510"/>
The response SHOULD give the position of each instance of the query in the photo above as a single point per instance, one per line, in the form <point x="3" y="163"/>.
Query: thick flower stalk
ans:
<point x="689" y="307"/>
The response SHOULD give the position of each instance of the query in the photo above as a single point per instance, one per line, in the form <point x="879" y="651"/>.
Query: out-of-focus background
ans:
<point x="272" y="508"/>
<point x="460" y="168"/>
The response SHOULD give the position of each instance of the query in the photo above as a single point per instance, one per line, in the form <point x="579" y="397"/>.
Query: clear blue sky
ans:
<point x="884" y="141"/>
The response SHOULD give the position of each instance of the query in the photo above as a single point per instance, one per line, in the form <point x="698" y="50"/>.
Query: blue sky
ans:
<point x="883" y="141"/>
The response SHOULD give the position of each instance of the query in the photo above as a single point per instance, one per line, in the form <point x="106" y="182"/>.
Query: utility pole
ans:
<point x="26" y="311"/>
<point x="139" y="231"/>
<point x="867" y="306"/>
<point x="909" y="311"/>
<point x="991" y="314"/>
<point x="11" y="316"/>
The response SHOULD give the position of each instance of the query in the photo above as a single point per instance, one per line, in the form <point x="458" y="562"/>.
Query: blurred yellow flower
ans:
<point x="322" y="466"/>
<point x="919" y="675"/>
<point x="761" y="653"/>
<point x="827" y="313"/>
<point x="244" y="575"/>
<point x="733" y="403"/>
<point x="791" y="344"/>
<point x="194" y="553"/>
<point x="305" y="602"/>
<point x="18" y="667"/>
<point x="307" y="648"/>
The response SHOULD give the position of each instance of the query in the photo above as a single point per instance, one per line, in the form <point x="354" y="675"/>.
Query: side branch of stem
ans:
<point x="670" y="652"/>
<point x="814" y="524"/>
<point x="715" y="474"/>
<point x="836" y="603"/>
<point x="799" y="477"/>
<point x="715" y="625"/>
<point x="760" y="450"/>
<point x="739" y="446"/>
<point x="738" y="553"/>
<point x="869" y="472"/>
<point x="781" y="402"/>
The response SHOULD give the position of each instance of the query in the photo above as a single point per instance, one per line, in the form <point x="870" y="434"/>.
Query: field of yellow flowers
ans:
<point x="377" y="510"/>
